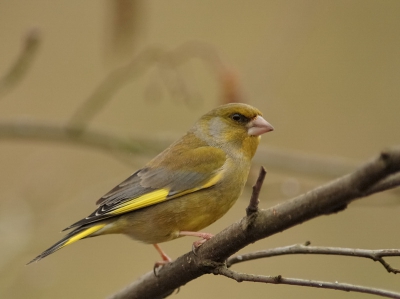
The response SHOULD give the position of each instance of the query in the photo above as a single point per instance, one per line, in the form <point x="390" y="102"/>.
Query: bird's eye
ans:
<point x="239" y="118"/>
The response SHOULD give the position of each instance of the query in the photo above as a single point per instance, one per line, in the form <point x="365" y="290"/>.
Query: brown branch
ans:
<point x="123" y="28"/>
<point x="240" y="277"/>
<point x="327" y="199"/>
<point x="112" y="83"/>
<point x="22" y="64"/>
<point x="175" y="83"/>
<point x="254" y="201"/>
<point x="139" y="64"/>
<point x="375" y="255"/>
<point x="390" y="182"/>
<point x="119" y="147"/>
<point x="310" y="164"/>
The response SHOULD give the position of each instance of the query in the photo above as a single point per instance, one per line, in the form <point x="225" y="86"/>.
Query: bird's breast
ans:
<point x="190" y="212"/>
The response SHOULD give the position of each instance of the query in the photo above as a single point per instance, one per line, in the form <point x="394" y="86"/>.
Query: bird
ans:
<point x="185" y="188"/>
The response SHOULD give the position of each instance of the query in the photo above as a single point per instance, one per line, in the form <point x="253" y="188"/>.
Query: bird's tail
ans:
<point x="73" y="236"/>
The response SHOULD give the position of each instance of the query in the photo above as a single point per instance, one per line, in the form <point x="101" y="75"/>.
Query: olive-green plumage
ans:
<point x="188" y="186"/>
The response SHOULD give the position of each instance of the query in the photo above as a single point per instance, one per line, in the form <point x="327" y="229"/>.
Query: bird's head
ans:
<point x="235" y="127"/>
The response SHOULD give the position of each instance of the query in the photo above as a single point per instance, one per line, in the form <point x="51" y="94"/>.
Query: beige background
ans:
<point x="325" y="73"/>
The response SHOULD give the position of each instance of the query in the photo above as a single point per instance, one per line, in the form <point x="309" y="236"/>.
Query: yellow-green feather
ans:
<point x="143" y="201"/>
<point x="83" y="234"/>
<point x="159" y="196"/>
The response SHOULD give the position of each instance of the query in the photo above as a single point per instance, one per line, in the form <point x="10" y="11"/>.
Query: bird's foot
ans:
<point x="204" y="237"/>
<point x="165" y="260"/>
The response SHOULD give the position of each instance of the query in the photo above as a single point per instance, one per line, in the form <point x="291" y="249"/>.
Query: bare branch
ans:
<point x="123" y="28"/>
<point x="20" y="67"/>
<point x="390" y="182"/>
<point x="310" y="164"/>
<point x="195" y="49"/>
<point x="139" y="64"/>
<point x="113" y="82"/>
<point x="327" y="199"/>
<point x="119" y="147"/>
<point x="254" y="201"/>
<point x="375" y="255"/>
<point x="239" y="277"/>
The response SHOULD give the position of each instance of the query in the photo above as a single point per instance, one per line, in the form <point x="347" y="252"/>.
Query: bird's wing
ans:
<point x="161" y="181"/>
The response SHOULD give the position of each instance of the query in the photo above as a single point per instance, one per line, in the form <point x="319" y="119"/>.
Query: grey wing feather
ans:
<point x="149" y="179"/>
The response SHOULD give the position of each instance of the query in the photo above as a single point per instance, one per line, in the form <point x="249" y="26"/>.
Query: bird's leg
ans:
<point x="204" y="237"/>
<point x="165" y="258"/>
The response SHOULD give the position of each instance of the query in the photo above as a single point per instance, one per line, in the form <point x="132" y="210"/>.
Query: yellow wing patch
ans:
<point x="159" y="196"/>
<point x="215" y="179"/>
<point x="84" y="234"/>
<point x="145" y="200"/>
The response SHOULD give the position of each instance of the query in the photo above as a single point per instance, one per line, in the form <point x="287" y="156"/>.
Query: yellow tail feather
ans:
<point x="72" y="237"/>
<point x="83" y="234"/>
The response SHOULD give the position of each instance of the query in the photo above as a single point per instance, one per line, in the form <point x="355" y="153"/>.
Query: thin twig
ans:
<point x="139" y="64"/>
<point x="239" y="277"/>
<point x="113" y="82"/>
<point x="310" y="164"/>
<point x="254" y="201"/>
<point x="375" y="255"/>
<point x="195" y="49"/>
<point x="92" y="138"/>
<point x="22" y="64"/>
<point x="392" y="181"/>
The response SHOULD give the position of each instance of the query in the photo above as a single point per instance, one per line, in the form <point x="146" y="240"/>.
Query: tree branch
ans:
<point x="330" y="198"/>
<point x="390" y="182"/>
<point x="22" y="64"/>
<point x="239" y="277"/>
<point x="139" y="64"/>
<point x="113" y="82"/>
<point x="254" y="201"/>
<point x="91" y="138"/>
<point x="375" y="255"/>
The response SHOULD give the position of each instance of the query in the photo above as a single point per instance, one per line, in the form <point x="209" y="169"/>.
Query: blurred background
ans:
<point x="325" y="73"/>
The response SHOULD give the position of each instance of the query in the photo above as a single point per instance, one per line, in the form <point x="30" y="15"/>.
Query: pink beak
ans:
<point x="259" y="126"/>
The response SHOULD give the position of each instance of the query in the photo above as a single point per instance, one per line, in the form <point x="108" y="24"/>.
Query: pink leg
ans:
<point x="165" y="258"/>
<point x="204" y="237"/>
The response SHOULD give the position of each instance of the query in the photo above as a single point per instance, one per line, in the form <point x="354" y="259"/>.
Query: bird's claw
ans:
<point x="198" y="243"/>
<point x="158" y="265"/>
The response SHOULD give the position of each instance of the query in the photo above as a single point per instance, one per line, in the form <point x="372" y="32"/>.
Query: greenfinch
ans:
<point x="185" y="188"/>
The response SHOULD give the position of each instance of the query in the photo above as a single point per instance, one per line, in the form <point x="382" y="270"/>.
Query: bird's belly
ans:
<point x="164" y="221"/>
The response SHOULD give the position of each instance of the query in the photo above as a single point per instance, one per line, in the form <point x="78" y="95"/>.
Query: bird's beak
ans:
<point x="259" y="126"/>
